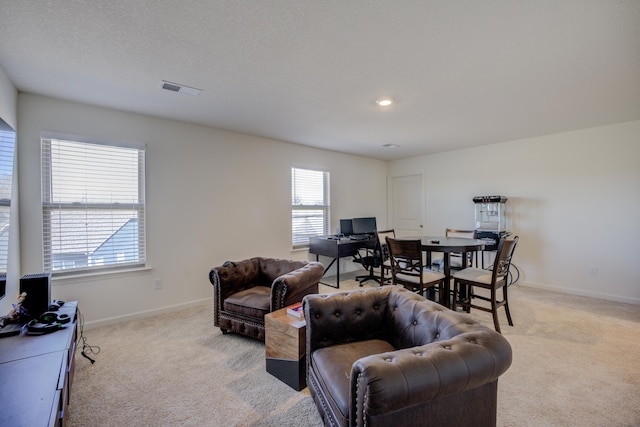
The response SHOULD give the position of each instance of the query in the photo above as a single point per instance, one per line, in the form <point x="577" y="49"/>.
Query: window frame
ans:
<point x="50" y="207"/>
<point x="297" y="243"/>
<point x="7" y="157"/>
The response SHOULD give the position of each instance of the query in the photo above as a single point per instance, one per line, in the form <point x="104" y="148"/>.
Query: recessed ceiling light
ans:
<point x="177" y="87"/>
<point x="384" y="102"/>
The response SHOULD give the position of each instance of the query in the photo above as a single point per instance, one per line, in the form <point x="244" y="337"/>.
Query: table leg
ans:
<point x="327" y="269"/>
<point x="431" y="293"/>
<point x="445" y="299"/>
<point x="463" y="288"/>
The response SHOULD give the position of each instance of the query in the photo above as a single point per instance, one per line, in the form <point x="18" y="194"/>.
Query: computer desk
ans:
<point x="336" y="248"/>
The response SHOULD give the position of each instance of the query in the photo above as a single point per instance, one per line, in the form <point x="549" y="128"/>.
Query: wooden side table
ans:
<point x="285" y="348"/>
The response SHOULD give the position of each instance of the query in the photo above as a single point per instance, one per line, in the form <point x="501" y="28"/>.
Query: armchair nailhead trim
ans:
<point x="365" y="403"/>
<point x="324" y="403"/>
<point x="280" y="296"/>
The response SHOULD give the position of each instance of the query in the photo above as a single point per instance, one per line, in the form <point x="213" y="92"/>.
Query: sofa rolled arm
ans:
<point x="386" y="382"/>
<point x="291" y="287"/>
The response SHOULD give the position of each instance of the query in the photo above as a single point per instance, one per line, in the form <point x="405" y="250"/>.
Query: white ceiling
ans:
<point x="463" y="72"/>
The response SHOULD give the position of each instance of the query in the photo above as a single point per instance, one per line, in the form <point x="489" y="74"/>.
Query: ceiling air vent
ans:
<point x="176" y="87"/>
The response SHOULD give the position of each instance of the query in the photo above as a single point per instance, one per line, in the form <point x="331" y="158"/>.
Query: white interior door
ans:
<point x="407" y="205"/>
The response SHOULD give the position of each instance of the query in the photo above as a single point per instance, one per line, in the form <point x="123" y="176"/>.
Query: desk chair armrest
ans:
<point x="368" y="257"/>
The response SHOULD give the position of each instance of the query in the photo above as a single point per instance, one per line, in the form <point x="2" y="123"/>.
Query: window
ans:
<point x="92" y="205"/>
<point x="7" y="143"/>
<point x="309" y="205"/>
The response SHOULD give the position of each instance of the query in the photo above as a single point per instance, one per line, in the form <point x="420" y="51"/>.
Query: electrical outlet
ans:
<point x="157" y="284"/>
<point x="593" y="271"/>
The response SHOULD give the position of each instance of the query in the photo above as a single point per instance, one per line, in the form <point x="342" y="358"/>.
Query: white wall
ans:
<point x="8" y="100"/>
<point x="212" y="196"/>
<point x="574" y="200"/>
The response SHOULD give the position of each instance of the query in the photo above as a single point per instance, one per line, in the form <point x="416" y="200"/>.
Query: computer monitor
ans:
<point x="346" y="227"/>
<point x="364" y="225"/>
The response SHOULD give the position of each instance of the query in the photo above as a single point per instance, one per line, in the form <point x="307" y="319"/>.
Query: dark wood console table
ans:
<point x="36" y="373"/>
<point x="336" y="249"/>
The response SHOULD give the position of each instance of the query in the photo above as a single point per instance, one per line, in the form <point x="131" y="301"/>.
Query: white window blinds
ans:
<point x="93" y="205"/>
<point x="309" y="205"/>
<point x="7" y="143"/>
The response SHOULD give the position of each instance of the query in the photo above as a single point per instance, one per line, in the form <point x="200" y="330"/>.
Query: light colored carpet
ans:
<point x="576" y="362"/>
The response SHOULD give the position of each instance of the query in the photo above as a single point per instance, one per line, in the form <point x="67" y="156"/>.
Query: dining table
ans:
<point x="448" y="245"/>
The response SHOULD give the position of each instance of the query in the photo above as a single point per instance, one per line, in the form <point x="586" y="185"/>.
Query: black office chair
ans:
<point x="370" y="262"/>
<point x="378" y="257"/>
<point x="374" y="258"/>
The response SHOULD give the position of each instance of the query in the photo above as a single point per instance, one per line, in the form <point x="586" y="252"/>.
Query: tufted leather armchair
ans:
<point x="387" y="356"/>
<point x="244" y="291"/>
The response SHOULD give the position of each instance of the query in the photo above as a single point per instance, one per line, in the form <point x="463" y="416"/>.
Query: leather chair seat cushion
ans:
<point x="332" y="366"/>
<point x="252" y="302"/>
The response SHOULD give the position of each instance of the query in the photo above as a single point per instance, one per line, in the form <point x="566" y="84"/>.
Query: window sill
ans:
<point x="84" y="276"/>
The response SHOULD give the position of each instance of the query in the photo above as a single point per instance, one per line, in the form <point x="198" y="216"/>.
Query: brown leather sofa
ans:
<point x="388" y="357"/>
<point x="244" y="291"/>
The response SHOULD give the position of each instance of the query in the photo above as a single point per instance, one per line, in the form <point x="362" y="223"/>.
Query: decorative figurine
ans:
<point x="18" y="312"/>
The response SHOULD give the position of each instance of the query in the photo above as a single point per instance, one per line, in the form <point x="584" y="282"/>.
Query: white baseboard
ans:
<point x="142" y="314"/>
<point x="571" y="291"/>
<point x="167" y="309"/>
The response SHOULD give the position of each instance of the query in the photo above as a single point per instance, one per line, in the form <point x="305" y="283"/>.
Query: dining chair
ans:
<point x="494" y="279"/>
<point x="455" y="258"/>
<point x="408" y="270"/>
<point x="385" y="267"/>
